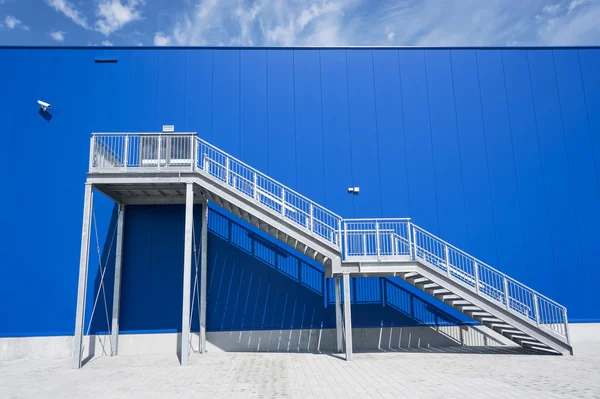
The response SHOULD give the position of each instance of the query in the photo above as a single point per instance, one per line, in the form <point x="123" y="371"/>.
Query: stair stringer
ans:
<point x="539" y="334"/>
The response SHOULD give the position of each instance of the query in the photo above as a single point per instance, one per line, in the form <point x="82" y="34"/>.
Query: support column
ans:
<point x="338" y="315"/>
<point x="117" y="290"/>
<point x="203" y="268"/>
<point x="83" y="272"/>
<point x="347" y="317"/>
<point x="187" y="273"/>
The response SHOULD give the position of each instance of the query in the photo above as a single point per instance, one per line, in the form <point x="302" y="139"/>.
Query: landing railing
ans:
<point x="383" y="239"/>
<point x="152" y="152"/>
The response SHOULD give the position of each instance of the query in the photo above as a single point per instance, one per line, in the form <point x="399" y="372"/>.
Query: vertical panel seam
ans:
<point x="487" y="162"/>
<point x="377" y="136"/>
<point x="462" y="180"/>
<point x="295" y="122"/>
<point x="512" y="147"/>
<point x="322" y="126"/>
<point x="267" y="83"/>
<point x="537" y="136"/>
<point x="587" y="118"/>
<point x="240" y="102"/>
<point x="403" y="131"/>
<point x="349" y="128"/>
<point x="437" y="205"/>
<point x="212" y="96"/>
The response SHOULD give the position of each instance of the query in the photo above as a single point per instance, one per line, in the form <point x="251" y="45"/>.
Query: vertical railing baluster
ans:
<point x="410" y="249"/>
<point x="447" y="256"/>
<point x="126" y="152"/>
<point x="158" y="151"/>
<point x="345" y="240"/>
<point x="394" y="244"/>
<point x="476" y="270"/>
<point x="311" y="220"/>
<point x="377" y="240"/>
<point x="255" y="186"/>
<point x="364" y="235"/>
<point x="227" y="170"/>
<point x="339" y="237"/>
<point x="566" y="325"/>
<point x="282" y="200"/>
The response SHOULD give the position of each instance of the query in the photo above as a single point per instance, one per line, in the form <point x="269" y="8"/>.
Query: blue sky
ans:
<point x="299" y="23"/>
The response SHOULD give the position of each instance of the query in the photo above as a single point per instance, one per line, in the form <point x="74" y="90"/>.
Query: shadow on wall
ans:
<point x="261" y="295"/>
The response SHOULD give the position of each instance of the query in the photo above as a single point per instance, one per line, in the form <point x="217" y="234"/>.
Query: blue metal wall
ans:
<point x="497" y="151"/>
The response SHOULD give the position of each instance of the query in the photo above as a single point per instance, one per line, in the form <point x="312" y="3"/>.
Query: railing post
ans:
<point x="345" y="240"/>
<point x="506" y="293"/>
<point x="311" y="220"/>
<point x="126" y="152"/>
<point x="414" y="236"/>
<point x="394" y="244"/>
<point x="536" y="308"/>
<point x="205" y="163"/>
<point x="410" y="248"/>
<point x="377" y="241"/>
<point x="158" y="151"/>
<point x="447" y="257"/>
<point x="92" y="151"/>
<point x="255" y="186"/>
<point x="364" y="235"/>
<point x="227" y="170"/>
<point x="476" y="268"/>
<point x="339" y="238"/>
<point x="566" y="322"/>
<point x="283" y="201"/>
<point x="192" y="152"/>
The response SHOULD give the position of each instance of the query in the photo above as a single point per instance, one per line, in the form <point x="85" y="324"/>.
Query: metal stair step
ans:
<point x="420" y="280"/>
<point x="481" y="314"/>
<point x="469" y="308"/>
<point x="446" y="295"/>
<point x="409" y="275"/>
<point x="430" y="286"/>
<point x="458" y="302"/>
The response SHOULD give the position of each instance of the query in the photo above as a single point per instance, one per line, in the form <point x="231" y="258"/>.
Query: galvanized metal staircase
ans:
<point x="155" y="168"/>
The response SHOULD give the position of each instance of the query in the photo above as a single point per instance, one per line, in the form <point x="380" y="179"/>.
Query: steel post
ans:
<point x="187" y="273"/>
<point x="117" y="289"/>
<point x="338" y="315"/>
<point x="83" y="271"/>
<point x="347" y="316"/>
<point x="203" y="271"/>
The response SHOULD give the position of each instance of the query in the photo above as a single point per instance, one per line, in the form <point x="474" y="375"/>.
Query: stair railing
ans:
<point x="269" y="192"/>
<point x="385" y="238"/>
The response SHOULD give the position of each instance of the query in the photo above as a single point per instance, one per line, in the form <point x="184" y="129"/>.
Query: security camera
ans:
<point x="44" y="105"/>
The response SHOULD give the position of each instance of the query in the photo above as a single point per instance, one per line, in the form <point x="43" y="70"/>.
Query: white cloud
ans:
<point x="160" y="39"/>
<point x="70" y="11"/>
<point x="551" y="9"/>
<point x="59" y="36"/>
<point x="107" y="43"/>
<point x="113" y="14"/>
<point x="11" y="22"/>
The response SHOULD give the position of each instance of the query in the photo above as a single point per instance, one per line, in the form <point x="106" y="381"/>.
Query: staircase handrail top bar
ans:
<point x="479" y="262"/>
<point x="374" y="220"/>
<point x="287" y="189"/>
<point x="144" y="133"/>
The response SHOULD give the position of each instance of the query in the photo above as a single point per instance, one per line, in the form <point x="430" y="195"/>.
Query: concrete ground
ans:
<point x="448" y="373"/>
